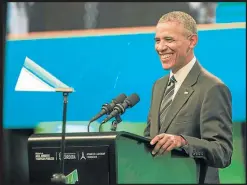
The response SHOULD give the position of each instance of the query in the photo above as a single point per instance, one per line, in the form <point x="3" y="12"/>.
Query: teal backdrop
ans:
<point x="101" y="67"/>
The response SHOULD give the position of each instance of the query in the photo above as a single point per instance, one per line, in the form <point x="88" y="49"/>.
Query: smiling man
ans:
<point x="190" y="108"/>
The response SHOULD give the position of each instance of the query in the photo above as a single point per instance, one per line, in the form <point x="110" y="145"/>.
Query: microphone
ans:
<point x="129" y="102"/>
<point x="108" y="108"/>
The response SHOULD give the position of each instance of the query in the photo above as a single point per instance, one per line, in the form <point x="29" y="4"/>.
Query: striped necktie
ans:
<point x="167" y="99"/>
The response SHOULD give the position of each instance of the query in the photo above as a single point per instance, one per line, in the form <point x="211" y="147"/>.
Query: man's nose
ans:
<point x="162" y="47"/>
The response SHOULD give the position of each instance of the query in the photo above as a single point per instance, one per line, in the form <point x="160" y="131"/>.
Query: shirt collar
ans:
<point x="181" y="74"/>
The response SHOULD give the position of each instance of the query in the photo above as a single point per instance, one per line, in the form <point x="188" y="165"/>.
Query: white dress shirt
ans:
<point x="181" y="74"/>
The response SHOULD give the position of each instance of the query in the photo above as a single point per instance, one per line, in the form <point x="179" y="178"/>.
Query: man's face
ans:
<point x="174" y="45"/>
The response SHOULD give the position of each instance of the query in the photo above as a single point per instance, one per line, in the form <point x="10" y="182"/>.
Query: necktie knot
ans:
<point x="172" y="80"/>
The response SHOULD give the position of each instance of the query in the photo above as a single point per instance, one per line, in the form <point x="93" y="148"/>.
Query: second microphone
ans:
<point x="120" y="108"/>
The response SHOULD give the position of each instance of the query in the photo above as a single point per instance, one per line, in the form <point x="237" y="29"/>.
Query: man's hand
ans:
<point x="166" y="142"/>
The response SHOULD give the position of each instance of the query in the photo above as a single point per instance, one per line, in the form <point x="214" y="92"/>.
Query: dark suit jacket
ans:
<point x="201" y="112"/>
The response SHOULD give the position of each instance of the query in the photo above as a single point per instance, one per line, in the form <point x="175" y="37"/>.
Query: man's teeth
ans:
<point x="166" y="55"/>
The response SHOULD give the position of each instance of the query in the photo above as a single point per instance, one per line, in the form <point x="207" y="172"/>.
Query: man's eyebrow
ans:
<point x="165" y="37"/>
<point x="168" y="37"/>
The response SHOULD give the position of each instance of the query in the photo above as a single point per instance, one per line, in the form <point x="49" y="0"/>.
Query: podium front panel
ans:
<point x="88" y="159"/>
<point x="136" y="165"/>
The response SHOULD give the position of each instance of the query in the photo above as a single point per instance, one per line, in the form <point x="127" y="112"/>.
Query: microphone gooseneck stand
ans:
<point x="114" y="123"/>
<point x="105" y="107"/>
<point x="88" y="126"/>
<point x="60" y="177"/>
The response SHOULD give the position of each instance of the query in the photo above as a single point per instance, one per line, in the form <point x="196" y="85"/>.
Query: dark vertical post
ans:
<point x="3" y="33"/>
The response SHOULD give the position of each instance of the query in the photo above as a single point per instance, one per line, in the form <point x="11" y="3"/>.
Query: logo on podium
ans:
<point x="83" y="156"/>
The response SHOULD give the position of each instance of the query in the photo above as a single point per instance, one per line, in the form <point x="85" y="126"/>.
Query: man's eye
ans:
<point x="169" y="40"/>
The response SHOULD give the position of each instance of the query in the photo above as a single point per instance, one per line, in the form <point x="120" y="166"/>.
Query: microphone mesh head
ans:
<point x="120" y="98"/>
<point x="132" y="100"/>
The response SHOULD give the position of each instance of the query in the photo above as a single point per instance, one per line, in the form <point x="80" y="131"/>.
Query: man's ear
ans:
<point x="193" y="41"/>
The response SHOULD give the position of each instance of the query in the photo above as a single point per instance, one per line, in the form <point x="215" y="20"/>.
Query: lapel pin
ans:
<point x="186" y="92"/>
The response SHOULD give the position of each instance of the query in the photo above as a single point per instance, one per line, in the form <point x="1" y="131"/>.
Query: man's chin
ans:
<point x="166" y="67"/>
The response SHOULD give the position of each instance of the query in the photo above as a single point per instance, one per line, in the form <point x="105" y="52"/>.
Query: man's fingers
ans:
<point x="171" y="147"/>
<point x="158" y="145"/>
<point x="164" y="147"/>
<point x="165" y="143"/>
<point x="156" y="139"/>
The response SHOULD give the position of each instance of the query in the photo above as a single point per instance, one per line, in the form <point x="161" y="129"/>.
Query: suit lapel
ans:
<point x="157" y="99"/>
<point x="182" y="96"/>
<point x="180" y="99"/>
